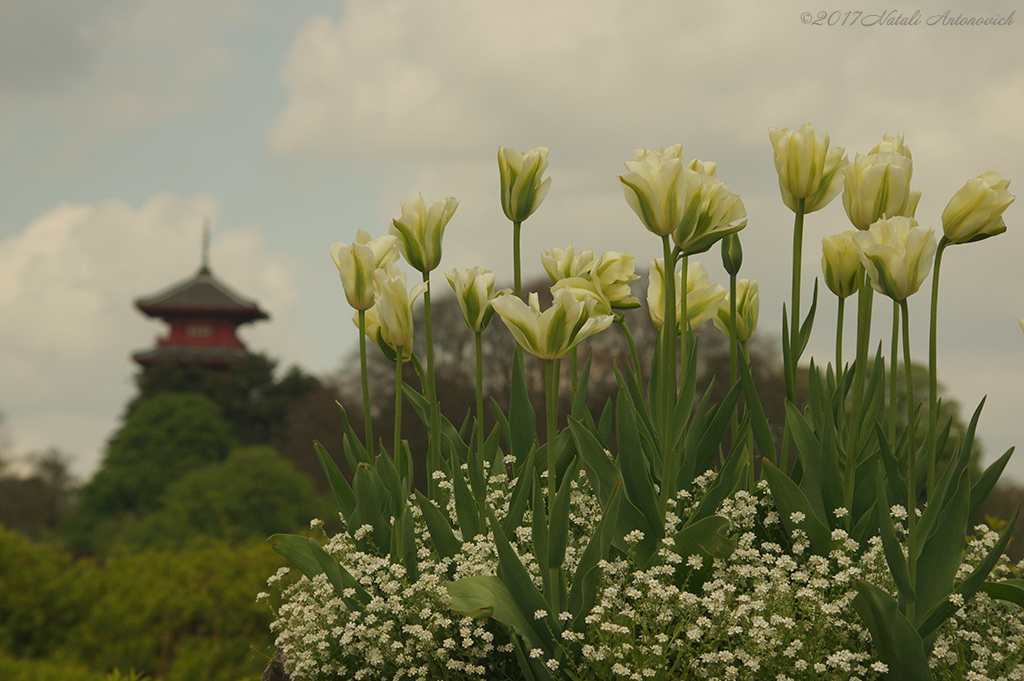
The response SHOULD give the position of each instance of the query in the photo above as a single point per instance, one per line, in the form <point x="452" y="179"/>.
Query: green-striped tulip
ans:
<point x="807" y="166"/>
<point x="420" y="229"/>
<point x="357" y="262"/>
<point x="841" y="263"/>
<point x="474" y="289"/>
<point x="976" y="211"/>
<point x="522" y="184"/>
<point x="747" y="308"/>
<point x="897" y="254"/>
<point x="551" y="333"/>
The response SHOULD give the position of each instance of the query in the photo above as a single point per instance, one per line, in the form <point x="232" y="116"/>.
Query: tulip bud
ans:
<point x="393" y="308"/>
<point x="877" y="186"/>
<point x="606" y="280"/>
<point x="702" y="297"/>
<point x="747" y="307"/>
<point x="356" y="264"/>
<point x="897" y="254"/>
<point x="561" y="264"/>
<point x="474" y="289"/>
<point x="522" y="188"/>
<point x="550" y="334"/>
<point x="419" y="230"/>
<point x="711" y="213"/>
<point x="732" y="254"/>
<point x="841" y="263"/>
<point x="613" y="272"/>
<point x="655" y="189"/>
<point x="976" y="211"/>
<point x="807" y="167"/>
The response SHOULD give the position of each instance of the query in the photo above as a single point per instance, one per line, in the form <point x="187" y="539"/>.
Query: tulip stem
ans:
<point x="620" y="319"/>
<point x="574" y="376"/>
<point x="684" y="325"/>
<point x="668" y="357"/>
<point x="794" y="312"/>
<point x="840" y="316"/>
<point x="480" y="392"/>
<point x="398" y="404"/>
<point x="518" y="281"/>
<point x="911" y="459"/>
<point x="551" y="371"/>
<point x="733" y="369"/>
<point x="865" y="297"/>
<point x="894" y="372"/>
<point x="933" y="381"/>
<point x="794" y="326"/>
<point x="367" y="419"/>
<point x="434" y="455"/>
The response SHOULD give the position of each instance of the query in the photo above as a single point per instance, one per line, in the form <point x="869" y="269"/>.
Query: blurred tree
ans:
<point x="163" y="438"/>
<point x="252" y="401"/>
<point x="38" y="503"/>
<point x="251" y="495"/>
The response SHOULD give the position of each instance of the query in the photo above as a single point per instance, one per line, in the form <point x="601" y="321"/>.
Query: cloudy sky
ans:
<point x="292" y="124"/>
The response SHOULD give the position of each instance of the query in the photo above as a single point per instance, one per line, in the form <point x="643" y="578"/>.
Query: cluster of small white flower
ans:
<point x="772" y="610"/>
<point x="984" y="639"/>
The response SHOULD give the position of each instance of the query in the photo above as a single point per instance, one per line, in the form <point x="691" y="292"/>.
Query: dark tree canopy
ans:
<point x="165" y="437"/>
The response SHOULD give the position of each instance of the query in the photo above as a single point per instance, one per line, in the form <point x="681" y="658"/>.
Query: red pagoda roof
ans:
<point x="202" y="294"/>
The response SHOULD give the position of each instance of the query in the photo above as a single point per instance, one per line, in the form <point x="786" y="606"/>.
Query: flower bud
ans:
<point x="393" y="308"/>
<point x="357" y="262"/>
<point x="522" y="188"/>
<point x="702" y="297"/>
<point x="561" y="264"/>
<point x="550" y="334"/>
<point x="474" y="289"/>
<point x="877" y="186"/>
<point x="732" y="254"/>
<point x="976" y="211"/>
<point x="711" y="213"/>
<point x="747" y="307"/>
<point x="897" y="254"/>
<point x="419" y="230"/>
<point x="807" y="167"/>
<point x="841" y="263"/>
<point x="655" y="189"/>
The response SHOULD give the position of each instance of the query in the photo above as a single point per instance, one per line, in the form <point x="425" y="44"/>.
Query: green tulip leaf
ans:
<point x="441" y="534"/>
<point x="484" y="596"/>
<point x="967" y="588"/>
<point x="790" y="500"/>
<point x="525" y="595"/>
<point x="942" y="553"/>
<point x="340" y="488"/>
<point x="1009" y="590"/>
<point x="894" y="638"/>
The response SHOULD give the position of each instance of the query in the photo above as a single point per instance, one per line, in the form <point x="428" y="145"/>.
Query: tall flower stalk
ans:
<point x="419" y="233"/>
<point x="357" y="263"/>
<point x="974" y="213"/>
<point x="523" y="188"/>
<point x="810" y="177"/>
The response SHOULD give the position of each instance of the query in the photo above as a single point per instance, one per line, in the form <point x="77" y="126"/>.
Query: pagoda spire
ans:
<point x="204" y="267"/>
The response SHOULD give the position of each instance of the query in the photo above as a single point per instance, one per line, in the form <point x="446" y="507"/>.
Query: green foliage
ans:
<point x="171" y="615"/>
<point x="163" y="439"/>
<point x="251" y="495"/>
<point x="43" y="593"/>
<point x="254" y="404"/>
<point x="29" y="669"/>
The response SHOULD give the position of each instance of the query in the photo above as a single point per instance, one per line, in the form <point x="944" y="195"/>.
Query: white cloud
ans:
<point x="91" y="70"/>
<point x="429" y="89"/>
<point x="67" y="286"/>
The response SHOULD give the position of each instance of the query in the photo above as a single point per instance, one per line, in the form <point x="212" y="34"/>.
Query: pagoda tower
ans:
<point x="204" y="314"/>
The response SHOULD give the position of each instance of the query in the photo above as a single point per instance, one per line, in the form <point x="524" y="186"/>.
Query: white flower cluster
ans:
<point x="772" y="610"/>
